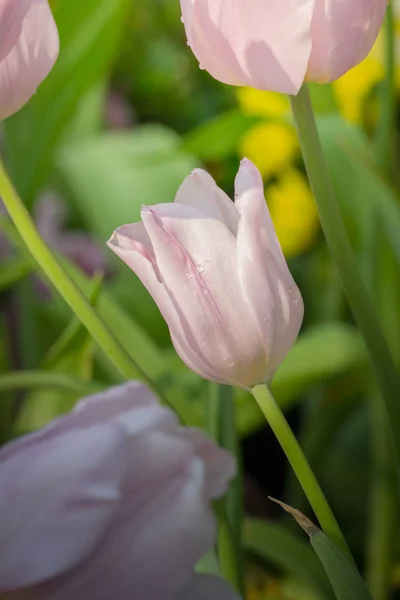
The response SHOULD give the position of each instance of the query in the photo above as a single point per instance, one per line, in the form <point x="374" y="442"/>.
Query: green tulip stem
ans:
<point x="382" y="519"/>
<point x="53" y="270"/>
<point x="300" y="466"/>
<point x="385" y="146"/>
<point x="343" y="256"/>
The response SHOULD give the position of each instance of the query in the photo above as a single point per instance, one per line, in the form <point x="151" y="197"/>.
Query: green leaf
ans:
<point x="75" y="335"/>
<point x="89" y="34"/>
<point x="29" y="380"/>
<point x="72" y="355"/>
<point x="221" y="426"/>
<point x="219" y="138"/>
<point x="51" y="394"/>
<point x="371" y="210"/>
<point x="359" y="187"/>
<point x="208" y="564"/>
<point x="323" y="351"/>
<point x="320" y="353"/>
<point x="277" y="545"/>
<point x="344" y="577"/>
<point x="12" y="271"/>
<point x="145" y="166"/>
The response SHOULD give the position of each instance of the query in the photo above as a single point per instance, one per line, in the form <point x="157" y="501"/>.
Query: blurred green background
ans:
<point x="125" y="115"/>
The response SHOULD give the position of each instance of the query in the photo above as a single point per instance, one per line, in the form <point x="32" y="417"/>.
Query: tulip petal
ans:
<point x="111" y="501"/>
<point x="197" y="259"/>
<point x="200" y="191"/>
<point x="29" y="46"/>
<point x="132" y="244"/>
<point x="342" y="33"/>
<point x="249" y="180"/>
<point x="263" y="44"/>
<point x="265" y="279"/>
<point x="220" y="466"/>
<point x="207" y="587"/>
<point x="156" y="539"/>
<point x="53" y="494"/>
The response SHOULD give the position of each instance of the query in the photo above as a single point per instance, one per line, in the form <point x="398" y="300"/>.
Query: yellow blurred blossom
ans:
<point x="293" y="212"/>
<point x="263" y="104"/>
<point x="272" y="147"/>
<point x="263" y="587"/>
<point x="352" y="89"/>
<point x="268" y="588"/>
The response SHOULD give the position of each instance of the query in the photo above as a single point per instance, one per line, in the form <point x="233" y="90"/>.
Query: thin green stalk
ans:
<point x="221" y="425"/>
<point x="383" y="511"/>
<point x="71" y="294"/>
<point x="385" y="146"/>
<point x="226" y="547"/>
<point x="213" y="411"/>
<point x="302" y="469"/>
<point x="357" y="295"/>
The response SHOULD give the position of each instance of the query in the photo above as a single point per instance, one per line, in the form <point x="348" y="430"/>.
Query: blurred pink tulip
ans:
<point x="29" y="47"/>
<point x="216" y="270"/>
<point x="111" y="501"/>
<point x="277" y="44"/>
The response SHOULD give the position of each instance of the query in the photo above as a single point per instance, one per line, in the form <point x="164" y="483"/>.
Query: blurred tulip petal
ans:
<point x="264" y="44"/>
<point x="343" y="33"/>
<point x="272" y="45"/>
<point x="38" y="554"/>
<point x="29" y="46"/>
<point x="109" y="501"/>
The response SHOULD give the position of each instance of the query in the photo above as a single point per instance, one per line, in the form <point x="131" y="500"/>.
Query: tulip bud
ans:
<point x="276" y="45"/>
<point x="29" y="47"/>
<point x="217" y="273"/>
<point x="110" y="501"/>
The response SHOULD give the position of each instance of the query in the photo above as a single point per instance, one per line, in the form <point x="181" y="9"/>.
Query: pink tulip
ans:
<point x="29" y="47"/>
<point x="277" y="44"/>
<point x="218" y="275"/>
<point x="110" y="502"/>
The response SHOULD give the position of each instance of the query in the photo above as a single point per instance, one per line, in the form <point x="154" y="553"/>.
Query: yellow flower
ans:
<point x="293" y="212"/>
<point x="272" y="147"/>
<point x="352" y="89"/>
<point x="262" y="104"/>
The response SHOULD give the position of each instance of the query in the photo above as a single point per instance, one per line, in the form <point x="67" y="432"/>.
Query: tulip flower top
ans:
<point x="276" y="46"/>
<point x="218" y="275"/>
